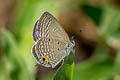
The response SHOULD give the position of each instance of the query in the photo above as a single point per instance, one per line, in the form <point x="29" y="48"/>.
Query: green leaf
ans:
<point x="117" y="62"/>
<point x="65" y="72"/>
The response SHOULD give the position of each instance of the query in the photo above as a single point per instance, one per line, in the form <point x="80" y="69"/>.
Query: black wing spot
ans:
<point x="43" y="59"/>
<point x="49" y="40"/>
<point x="58" y="43"/>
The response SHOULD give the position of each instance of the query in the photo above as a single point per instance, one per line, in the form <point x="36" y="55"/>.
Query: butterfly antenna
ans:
<point x="74" y="35"/>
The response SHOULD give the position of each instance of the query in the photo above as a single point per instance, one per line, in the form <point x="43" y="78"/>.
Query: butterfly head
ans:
<point x="70" y="47"/>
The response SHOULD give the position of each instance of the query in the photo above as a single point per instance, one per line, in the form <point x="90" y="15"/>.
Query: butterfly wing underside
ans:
<point x="51" y="39"/>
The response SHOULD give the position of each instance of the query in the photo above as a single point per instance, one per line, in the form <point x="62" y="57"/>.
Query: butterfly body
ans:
<point x="52" y="43"/>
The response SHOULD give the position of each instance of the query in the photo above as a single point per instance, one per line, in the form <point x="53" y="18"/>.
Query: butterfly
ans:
<point x="52" y="43"/>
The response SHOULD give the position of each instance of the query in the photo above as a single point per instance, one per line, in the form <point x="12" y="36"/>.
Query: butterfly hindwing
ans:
<point x="53" y="49"/>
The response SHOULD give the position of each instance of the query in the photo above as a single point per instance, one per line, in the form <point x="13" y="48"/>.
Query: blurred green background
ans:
<point x="97" y="55"/>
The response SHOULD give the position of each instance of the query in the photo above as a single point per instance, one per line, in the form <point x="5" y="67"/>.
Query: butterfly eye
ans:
<point x="72" y="42"/>
<point x="45" y="58"/>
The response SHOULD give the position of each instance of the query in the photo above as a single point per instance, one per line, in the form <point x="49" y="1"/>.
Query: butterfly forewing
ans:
<point x="47" y="26"/>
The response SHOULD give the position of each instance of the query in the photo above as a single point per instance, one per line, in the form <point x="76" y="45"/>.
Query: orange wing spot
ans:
<point x="46" y="59"/>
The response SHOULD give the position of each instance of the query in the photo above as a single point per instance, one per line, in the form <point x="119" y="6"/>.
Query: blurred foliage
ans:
<point x="17" y="63"/>
<point x="94" y="12"/>
<point x="13" y="65"/>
